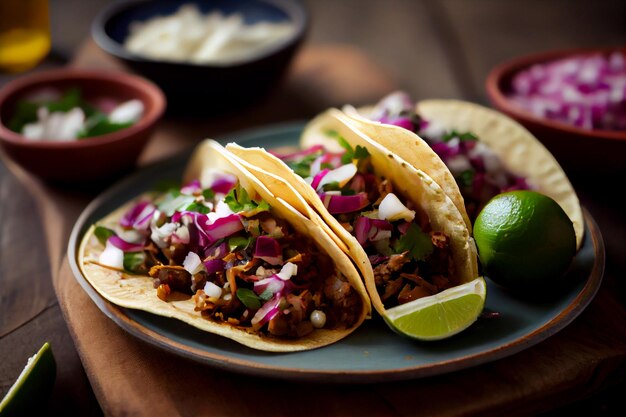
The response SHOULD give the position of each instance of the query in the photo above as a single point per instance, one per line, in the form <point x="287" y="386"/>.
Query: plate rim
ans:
<point x="250" y="367"/>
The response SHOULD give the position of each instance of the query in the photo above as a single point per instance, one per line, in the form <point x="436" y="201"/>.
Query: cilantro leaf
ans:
<point x="197" y="207"/>
<point x="248" y="298"/>
<point x="103" y="234"/>
<point x="239" y="243"/>
<point x="465" y="136"/>
<point x="416" y="242"/>
<point x="135" y="262"/>
<point x="239" y="201"/>
<point x="303" y="167"/>
<point x="361" y="152"/>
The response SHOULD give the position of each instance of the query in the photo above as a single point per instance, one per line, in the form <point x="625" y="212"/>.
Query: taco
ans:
<point x="486" y="152"/>
<point x="222" y="254"/>
<point x="401" y="229"/>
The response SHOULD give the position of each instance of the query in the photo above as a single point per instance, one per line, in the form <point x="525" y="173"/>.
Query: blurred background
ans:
<point x="401" y="35"/>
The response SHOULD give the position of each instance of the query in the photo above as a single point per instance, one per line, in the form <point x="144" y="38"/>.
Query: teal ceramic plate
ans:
<point x="373" y="353"/>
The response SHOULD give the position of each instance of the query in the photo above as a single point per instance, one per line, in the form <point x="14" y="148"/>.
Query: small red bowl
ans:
<point x="88" y="159"/>
<point x="577" y="150"/>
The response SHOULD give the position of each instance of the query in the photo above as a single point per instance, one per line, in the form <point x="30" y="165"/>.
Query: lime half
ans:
<point x="441" y="315"/>
<point x="32" y="386"/>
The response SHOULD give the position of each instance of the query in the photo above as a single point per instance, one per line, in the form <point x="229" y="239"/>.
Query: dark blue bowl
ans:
<point x="211" y="86"/>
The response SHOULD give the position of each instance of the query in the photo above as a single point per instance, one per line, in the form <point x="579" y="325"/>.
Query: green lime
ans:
<point x="441" y="315"/>
<point x="525" y="240"/>
<point x="32" y="386"/>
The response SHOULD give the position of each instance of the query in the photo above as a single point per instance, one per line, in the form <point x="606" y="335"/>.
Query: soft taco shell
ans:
<point x="417" y="186"/>
<point x="520" y="151"/>
<point x="137" y="292"/>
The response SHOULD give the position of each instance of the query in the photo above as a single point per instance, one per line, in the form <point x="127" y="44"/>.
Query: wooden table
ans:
<point x="432" y="49"/>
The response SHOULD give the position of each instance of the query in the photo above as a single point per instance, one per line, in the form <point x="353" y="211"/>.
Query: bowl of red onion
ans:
<point x="75" y="126"/>
<point x="573" y="101"/>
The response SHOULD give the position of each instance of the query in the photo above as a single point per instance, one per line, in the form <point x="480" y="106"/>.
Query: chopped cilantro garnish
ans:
<point x="303" y="167"/>
<point x="359" y="153"/>
<point x="416" y="242"/>
<point x="135" y="262"/>
<point x="99" y="124"/>
<point x="239" y="243"/>
<point x="248" y="298"/>
<point x="197" y="207"/>
<point x="465" y="136"/>
<point x="239" y="201"/>
<point x="103" y="234"/>
<point x="208" y="194"/>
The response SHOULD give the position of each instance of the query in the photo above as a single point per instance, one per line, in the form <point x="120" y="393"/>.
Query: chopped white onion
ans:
<point x="127" y="112"/>
<point x="340" y="175"/>
<point x="212" y="290"/>
<point x="112" y="256"/>
<point x="287" y="271"/>
<point x="391" y="209"/>
<point x="192" y="263"/>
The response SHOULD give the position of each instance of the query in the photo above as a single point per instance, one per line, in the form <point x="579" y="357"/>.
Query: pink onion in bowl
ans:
<point x="585" y="91"/>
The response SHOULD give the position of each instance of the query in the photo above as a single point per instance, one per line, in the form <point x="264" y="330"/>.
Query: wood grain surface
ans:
<point x="430" y="48"/>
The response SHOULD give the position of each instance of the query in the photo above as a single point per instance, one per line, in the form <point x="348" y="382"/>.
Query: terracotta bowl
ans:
<point x="597" y="152"/>
<point x="206" y="87"/>
<point x="87" y="159"/>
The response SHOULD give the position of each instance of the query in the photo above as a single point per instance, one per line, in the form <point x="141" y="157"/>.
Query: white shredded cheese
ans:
<point x="188" y="35"/>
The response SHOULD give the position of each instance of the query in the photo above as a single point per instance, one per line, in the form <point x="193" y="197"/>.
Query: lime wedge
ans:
<point x="32" y="386"/>
<point x="441" y="315"/>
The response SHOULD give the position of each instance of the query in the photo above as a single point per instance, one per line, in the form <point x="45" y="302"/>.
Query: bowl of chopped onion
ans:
<point x="70" y="125"/>
<point x="573" y="101"/>
<point x="205" y="55"/>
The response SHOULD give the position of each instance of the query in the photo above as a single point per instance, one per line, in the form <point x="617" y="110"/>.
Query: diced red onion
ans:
<point x="367" y="229"/>
<point x="125" y="246"/>
<point x="139" y="216"/>
<point x="403" y="122"/>
<point x="318" y="178"/>
<point x="223" y="227"/>
<point x="214" y="265"/>
<point x="392" y="105"/>
<point x="338" y="204"/>
<point x="191" y="188"/>
<point x="403" y="227"/>
<point x="267" y="312"/>
<point x="583" y="91"/>
<point x="268" y="249"/>
<point x="271" y="284"/>
<point x="223" y="184"/>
